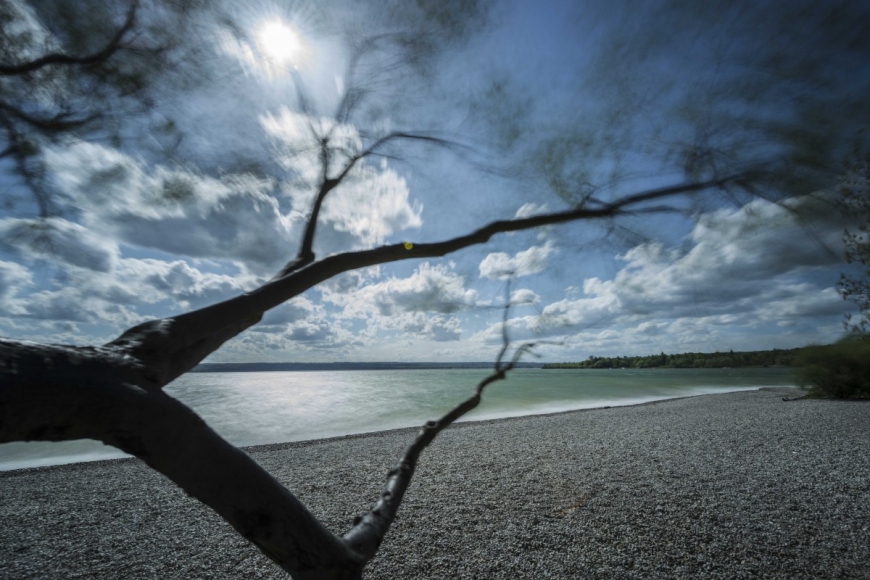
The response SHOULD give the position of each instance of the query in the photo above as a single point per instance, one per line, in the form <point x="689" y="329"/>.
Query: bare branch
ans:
<point x="354" y="93"/>
<point x="168" y="344"/>
<point x="416" y="136"/>
<point x="306" y="252"/>
<point x="369" y="530"/>
<point x="505" y="342"/>
<point x="64" y="393"/>
<point x="113" y="46"/>
<point x="327" y="184"/>
<point x="62" y="121"/>
<point x="59" y="393"/>
<point x="372" y="149"/>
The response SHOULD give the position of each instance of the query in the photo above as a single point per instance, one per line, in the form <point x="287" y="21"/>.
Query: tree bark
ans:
<point x="50" y="393"/>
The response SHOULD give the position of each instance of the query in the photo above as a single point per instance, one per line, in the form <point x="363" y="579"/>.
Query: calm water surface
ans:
<point x="273" y="407"/>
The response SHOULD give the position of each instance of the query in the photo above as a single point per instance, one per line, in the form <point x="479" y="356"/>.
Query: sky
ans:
<point x="144" y="235"/>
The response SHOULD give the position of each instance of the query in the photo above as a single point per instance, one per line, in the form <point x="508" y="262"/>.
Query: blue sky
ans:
<point x="143" y="236"/>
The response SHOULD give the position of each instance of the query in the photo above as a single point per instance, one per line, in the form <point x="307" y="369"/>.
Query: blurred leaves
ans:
<point x="840" y="370"/>
<point x="699" y="90"/>
<point x="854" y="202"/>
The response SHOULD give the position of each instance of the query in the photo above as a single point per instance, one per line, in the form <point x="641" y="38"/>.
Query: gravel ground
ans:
<point x="740" y="485"/>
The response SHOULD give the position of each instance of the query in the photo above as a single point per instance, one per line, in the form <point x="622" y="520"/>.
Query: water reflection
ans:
<point x="271" y="407"/>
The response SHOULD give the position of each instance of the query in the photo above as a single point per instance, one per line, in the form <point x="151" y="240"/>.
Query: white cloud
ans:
<point x="580" y="312"/>
<point x="420" y="305"/>
<point x="438" y="327"/>
<point x="236" y="217"/>
<point x="767" y="239"/>
<point x="307" y="336"/>
<point x="297" y="309"/>
<point x="793" y="302"/>
<point x="173" y="210"/>
<point x="124" y="205"/>
<point x="72" y="305"/>
<point x="177" y="280"/>
<point x="118" y="297"/>
<point x="13" y="279"/>
<point x="530" y="209"/>
<point x="743" y="269"/>
<point x="499" y="265"/>
<point x="524" y="296"/>
<point x="519" y="329"/>
<point x="735" y="258"/>
<point x="372" y="204"/>
<point x="122" y="202"/>
<point x="429" y="289"/>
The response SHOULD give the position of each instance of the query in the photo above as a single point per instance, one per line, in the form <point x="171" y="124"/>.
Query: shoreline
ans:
<point x="731" y="485"/>
<point x="397" y="430"/>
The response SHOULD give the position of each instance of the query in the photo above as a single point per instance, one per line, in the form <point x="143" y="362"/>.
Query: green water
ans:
<point x="272" y="407"/>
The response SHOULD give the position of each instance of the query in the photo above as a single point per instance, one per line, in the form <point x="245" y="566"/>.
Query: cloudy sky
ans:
<point x="141" y="234"/>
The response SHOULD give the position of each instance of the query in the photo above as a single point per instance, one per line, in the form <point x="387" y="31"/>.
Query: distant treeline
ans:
<point x="687" y="360"/>
<point x="345" y="366"/>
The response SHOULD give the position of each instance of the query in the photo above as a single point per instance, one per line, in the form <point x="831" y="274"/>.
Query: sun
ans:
<point x="279" y="42"/>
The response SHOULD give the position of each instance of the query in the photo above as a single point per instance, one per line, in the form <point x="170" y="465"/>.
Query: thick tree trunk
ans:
<point x="61" y="393"/>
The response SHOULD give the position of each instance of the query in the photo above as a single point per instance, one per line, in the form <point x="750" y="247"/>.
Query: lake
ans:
<point x="250" y="408"/>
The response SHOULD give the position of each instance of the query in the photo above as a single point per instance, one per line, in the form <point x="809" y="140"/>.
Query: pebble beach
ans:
<point x="736" y="485"/>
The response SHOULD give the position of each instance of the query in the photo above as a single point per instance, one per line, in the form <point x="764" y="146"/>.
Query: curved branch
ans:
<point x="306" y="252"/>
<point x="167" y="344"/>
<point x="113" y="46"/>
<point x="369" y="530"/>
<point x="62" y="121"/>
<point x="58" y="393"/>
<point x="396" y="135"/>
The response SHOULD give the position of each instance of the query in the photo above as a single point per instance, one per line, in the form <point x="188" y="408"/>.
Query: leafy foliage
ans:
<point x="854" y="201"/>
<point x="688" y="360"/>
<point x="78" y="70"/>
<point x="840" y="370"/>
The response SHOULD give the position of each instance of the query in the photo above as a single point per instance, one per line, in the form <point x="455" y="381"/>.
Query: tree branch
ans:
<point x="58" y="393"/>
<point x="55" y="124"/>
<point x="113" y="46"/>
<point x="405" y="135"/>
<point x="306" y="255"/>
<point x="369" y="530"/>
<point x="168" y="344"/>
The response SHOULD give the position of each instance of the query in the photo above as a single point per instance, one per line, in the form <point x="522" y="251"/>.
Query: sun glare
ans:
<point x="279" y="42"/>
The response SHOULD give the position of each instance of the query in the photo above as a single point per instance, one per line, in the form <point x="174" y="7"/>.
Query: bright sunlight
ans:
<point x="279" y="42"/>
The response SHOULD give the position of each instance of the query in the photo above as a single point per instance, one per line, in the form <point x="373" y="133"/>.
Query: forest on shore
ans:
<point x="686" y="360"/>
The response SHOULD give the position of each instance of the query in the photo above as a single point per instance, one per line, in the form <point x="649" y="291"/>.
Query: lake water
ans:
<point x="272" y="407"/>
